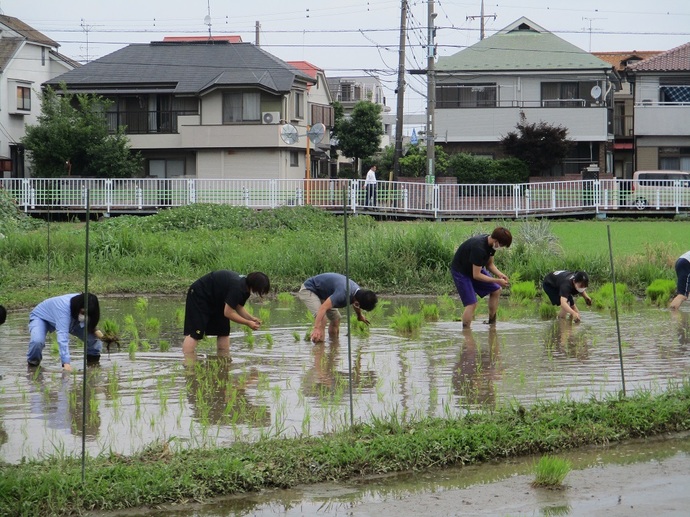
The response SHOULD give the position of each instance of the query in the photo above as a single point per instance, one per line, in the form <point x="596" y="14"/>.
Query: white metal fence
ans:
<point x="396" y="198"/>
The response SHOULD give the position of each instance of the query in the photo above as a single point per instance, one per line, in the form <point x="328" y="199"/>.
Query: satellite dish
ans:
<point x="316" y="133"/>
<point x="595" y="92"/>
<point x="207" y="20"/>
<point x="288" y="133"/>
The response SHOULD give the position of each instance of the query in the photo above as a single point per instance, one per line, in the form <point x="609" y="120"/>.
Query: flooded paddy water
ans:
<point x="278" y="384"/>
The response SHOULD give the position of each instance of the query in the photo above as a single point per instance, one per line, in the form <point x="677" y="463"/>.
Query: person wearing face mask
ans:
<point x="472" y="263"/>
<point x="323" y="294"/>
<point x="683" y="274"/>
<point x="562" y="286"/>
<point x="216" y="299"/>
<point x="65" y="315"/>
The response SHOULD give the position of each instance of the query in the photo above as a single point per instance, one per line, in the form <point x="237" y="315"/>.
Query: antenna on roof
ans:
<point x="207" y="18"/>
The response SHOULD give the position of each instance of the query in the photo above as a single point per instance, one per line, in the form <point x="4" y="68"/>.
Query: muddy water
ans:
<point x="276" y="384"/>
<point x="638" y="478"/>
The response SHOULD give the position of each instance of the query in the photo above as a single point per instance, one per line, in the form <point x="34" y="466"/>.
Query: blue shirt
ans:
<point x="56" y="312"/>
<point x="331" y="285"/>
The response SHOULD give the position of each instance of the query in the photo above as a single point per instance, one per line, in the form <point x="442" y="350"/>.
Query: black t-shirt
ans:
<point x="563" y="281"/>
<point x="475" y="251"/>
<point x="221" y="287"/>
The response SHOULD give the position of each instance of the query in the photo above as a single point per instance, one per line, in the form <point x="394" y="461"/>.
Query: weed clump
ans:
<point x="550" y="471"/>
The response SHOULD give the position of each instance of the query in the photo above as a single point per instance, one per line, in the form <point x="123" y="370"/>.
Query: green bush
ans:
<point x="471" y="169"/>
<point x="660" y="291"/>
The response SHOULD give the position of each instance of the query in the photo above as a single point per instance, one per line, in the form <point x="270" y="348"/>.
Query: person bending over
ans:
<point x="562" y="286"/>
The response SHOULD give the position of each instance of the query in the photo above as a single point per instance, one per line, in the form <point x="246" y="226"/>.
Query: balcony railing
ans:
<point x="394" y="198"/>
<point x="142" y="122"/>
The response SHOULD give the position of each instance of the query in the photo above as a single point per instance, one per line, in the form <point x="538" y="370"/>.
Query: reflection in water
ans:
<point x="323" y="379"/>
<point x="681" y="321"/>
<point x="476" y="368"/>
<point x="58" y="399"/>
<point x="218" y="396"/>
<point x="563" y="337"/>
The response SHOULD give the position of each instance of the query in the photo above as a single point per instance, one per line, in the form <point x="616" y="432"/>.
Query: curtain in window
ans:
<point x="251" y="105"/>
<point x="232" y="107"/>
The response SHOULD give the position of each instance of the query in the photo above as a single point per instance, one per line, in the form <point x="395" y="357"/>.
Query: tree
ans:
<point x="359" y="136"/>
<point x="72" y="136"/>
<point x="540" y="145"/>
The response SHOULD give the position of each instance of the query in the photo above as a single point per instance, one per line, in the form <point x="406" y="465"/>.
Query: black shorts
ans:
<point x="555" y="296"/>
<point x="202" y="318"/>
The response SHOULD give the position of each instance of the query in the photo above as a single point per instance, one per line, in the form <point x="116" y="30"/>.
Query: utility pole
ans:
<point x="257" y="32"/>
<point x="430" y="92"/>
<point x="590" y="29"/>
<point x="400" y="91"/>
<point x="481" y="20"/>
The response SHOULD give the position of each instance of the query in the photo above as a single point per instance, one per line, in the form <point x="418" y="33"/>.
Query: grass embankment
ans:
<point x="164" y="253"/>
<point x="158" y="476"/>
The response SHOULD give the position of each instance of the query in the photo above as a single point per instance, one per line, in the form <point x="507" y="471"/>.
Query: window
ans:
<point x="674" y="158"/>
<point x="24" y="98"/>
<point x="484" y="95"/>
<point x="299" y="105"/>
<point x="43" y="56"/>
<point x="166" y="168"/>
<point x="346" y="92"/>
<point x="323" y="114"/>
<point x="241" y="107"/>
<point x="294" y="159"/>
<point x="569" y="94"/>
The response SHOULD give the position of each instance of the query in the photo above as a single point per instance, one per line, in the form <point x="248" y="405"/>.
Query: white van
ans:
<point x="660" y="188"/>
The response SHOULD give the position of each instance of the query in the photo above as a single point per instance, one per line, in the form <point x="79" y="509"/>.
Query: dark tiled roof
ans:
<point x="27" y="31"/>
<point x="8" y="47"/>
<point x="674" y="60"/>
<point x="184" y="67"/>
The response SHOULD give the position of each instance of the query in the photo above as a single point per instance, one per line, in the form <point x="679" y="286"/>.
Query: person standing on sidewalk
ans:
<point x="370" y="186"/>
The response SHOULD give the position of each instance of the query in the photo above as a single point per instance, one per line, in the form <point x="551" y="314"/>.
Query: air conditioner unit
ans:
<point x="270" y="117"/>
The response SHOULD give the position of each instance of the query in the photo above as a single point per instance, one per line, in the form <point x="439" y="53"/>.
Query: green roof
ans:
<point x="522" y="45"/>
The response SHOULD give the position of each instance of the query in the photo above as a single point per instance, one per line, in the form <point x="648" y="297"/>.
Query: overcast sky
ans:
<point x="351" y="37"/>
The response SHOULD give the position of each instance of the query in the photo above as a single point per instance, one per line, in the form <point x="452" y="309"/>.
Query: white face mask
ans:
<point x="81" y="318"/>
<point x="581" y="289"/>
<point x="496" y="247"/>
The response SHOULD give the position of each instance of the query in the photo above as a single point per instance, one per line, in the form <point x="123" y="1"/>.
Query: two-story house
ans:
<point x="349" y="90"/>
<point x="27" y="59"/>
<point x="623" y="130"/>
<point x="320" y="109"/>
<point x="661" y="86"/>
<point x="483" y="91"/>
<point x="205" y="109"/>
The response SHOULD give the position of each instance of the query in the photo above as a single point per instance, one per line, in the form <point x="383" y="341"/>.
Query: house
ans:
<point x="661" y="92"/>
<point x="209" y="109"/>
<point x="483" y="91"/>
<point x="350" y="90"/>
<point x="623" y="103"/>
<point x="27" y="59"/>
<point x="319" y="101"/>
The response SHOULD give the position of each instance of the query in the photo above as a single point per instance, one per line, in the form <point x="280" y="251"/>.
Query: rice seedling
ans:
<point x="179" y="317"/>
<point x="547" y="311"/>
<point x="152" y="328"/>
<point x="523" y="292"/>
<point x="145" y="345"/>
<point x="264" y="315"/>
<point x="550" y="471"/>
<point x="405" y="322"/>
<point x="133" y="348"/>
<point x="249" y="337"/>
<point x="296" y="336"/>
<point x="446" y="305"/>
<point x="285" y="298"/>
<point x="269" y="341"/>
<point x="429" y="311"/>
<point x="164" y="345"/>
<point x="111" y="332"/>
<point x="660" y="291"/>
<point x="141" y="305"/>
<point x="358" y="328"/>
<point x="602" y="298"/>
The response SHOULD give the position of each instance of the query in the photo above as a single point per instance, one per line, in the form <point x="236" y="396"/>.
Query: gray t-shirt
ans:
<point x="331" y="285"/>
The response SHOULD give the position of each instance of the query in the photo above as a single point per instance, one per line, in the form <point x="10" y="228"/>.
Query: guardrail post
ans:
<point x="658" y="199"/>
<point x="597" y="195"/>
<point x="516" y="199"/>
<point x="273" y="193"/>
<point x="528" y="201"/>
<point x="108" y="195"/>
<point x="435" y="200"/>
<point x="405" y="199"/>
<point x="245" y="196"/>
<point x="191" y="192"/>
<point x="553" y="199"/>
<point x="300" y="196"/>
<point x="353" y="195"/>
<point x="140" y="197"/>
